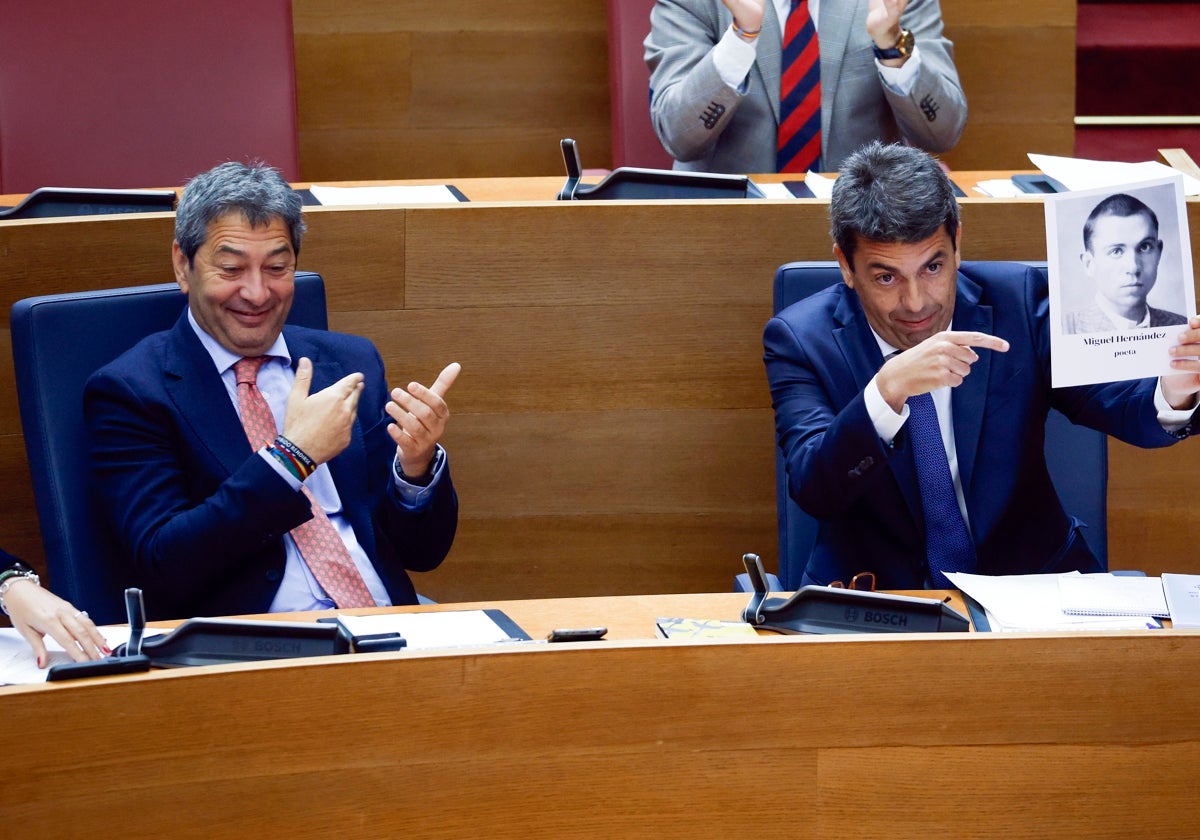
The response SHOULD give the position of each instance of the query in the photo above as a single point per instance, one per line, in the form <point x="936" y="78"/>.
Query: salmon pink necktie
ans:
<point x="319" y="543"/>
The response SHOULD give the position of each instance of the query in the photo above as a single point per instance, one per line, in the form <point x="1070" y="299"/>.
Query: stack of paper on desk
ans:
<point x="1082" y="174"/>
<point x="1031" y="602"/>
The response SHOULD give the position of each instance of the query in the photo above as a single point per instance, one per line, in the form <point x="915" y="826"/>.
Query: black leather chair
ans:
<point x="1076" y="455"/>
<point x="58" y="342"/>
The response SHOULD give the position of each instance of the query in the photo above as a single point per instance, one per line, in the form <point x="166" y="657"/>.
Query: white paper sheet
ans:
<point x="18" y="666"/>
<point x="431" y="629"/>
<point x="1086" y="349"/>
<point x="821" y="186"/>
<point x="1001" y="188"/>
<point x="358" y="196"/>
<point x="1183" y="599"/>
<point x="1082" y="174"/>
<point x="775" y="190"/>
<point x="1105" y="594"/>
<point x="1030" y="603"/>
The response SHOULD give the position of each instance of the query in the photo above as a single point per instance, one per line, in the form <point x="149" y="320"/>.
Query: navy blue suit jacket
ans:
<point x="820" y="354"/>
<point x="201" y="517"/>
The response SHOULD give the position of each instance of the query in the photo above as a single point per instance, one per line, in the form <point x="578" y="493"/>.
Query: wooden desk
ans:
<point x="960" y="735"/>
<point x="612" y="429"/>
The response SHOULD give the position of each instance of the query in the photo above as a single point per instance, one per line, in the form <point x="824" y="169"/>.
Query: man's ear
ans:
<point x="180" y="264"/>
<point x="1085" y="259"/>
<point x="844" y="265"/>
<point x="958" y="247"/>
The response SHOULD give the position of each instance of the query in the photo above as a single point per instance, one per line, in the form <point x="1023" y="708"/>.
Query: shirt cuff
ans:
<point x="280" y="468"/>
<point x="1171" y="419"/>
<point x="900" y="80"/>
<point x="733" y="58"/>
<point x="418" y="496"/>
<point x="887" y="422"/>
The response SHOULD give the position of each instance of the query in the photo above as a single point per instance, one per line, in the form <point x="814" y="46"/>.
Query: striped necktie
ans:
<point x="799" y="141"/>
<point x="318" y="541"/>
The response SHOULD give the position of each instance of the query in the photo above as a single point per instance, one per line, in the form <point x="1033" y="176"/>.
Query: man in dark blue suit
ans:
<point x="972" y="336"/>
<point x="212" y="524"/>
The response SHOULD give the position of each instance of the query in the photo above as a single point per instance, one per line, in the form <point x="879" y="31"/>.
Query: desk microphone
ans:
<point x="823" y="609"/>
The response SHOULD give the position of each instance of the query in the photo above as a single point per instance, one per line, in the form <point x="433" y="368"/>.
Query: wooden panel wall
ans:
<point x="1016" y="60"/>
<point x="423" y="89"/>
<point x="612" y="430"/>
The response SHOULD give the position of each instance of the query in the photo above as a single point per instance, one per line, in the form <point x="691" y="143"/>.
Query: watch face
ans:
<point x="905" y="45"/>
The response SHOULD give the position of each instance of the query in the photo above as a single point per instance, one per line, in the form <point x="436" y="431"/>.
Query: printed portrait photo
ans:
<point x="1119" y="265"/>
<point x="1120" y="262"/>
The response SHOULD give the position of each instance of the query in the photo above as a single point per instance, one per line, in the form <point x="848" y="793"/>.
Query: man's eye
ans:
<point x="885" y="279"/>
<point x="1116" y="252"/>
<point x="933" y="268"/>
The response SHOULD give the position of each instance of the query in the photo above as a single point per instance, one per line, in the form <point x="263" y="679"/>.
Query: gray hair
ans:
<point x="1117" y="204"/>
<point x="890" y="193"/>
<point x="256" y="191"/>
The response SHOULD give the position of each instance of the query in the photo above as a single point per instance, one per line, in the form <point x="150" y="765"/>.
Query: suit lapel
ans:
<point x="204" y="405"/>
<point x="327" y="369"/>
<point x="199" y="395"/>
<point x="969" y="399"/>
<point x="861" y="354"/>
<point x="854" y="338"/>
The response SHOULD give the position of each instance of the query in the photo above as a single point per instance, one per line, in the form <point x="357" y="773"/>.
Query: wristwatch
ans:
<point x="903" y="48"/>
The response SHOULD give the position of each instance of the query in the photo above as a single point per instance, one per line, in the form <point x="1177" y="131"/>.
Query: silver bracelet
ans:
<point x="10" y="580"/>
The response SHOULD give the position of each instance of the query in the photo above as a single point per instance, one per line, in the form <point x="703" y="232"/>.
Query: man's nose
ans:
<point x="912" y="296"/>
<point x="254" y="287"/>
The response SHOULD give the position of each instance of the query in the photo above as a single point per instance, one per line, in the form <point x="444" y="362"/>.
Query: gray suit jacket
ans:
<point x="1091" y="319"/>
<point x="709" y="127"/>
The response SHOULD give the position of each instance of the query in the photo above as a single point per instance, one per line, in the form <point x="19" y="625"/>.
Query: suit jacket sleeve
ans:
<point x="834" y="455"/>
<point x="933" y="114"/>
<point x="403" y="539"/>
<point x="684" y="83"/>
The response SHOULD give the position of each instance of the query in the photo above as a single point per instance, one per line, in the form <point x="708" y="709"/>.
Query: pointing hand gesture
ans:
<point x="944" y="358"/>
<point x="421" y="415"/>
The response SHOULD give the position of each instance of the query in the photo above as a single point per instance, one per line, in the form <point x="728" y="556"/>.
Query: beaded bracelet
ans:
<point x="13" y="574"/>
<point x="746" y="33"/>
